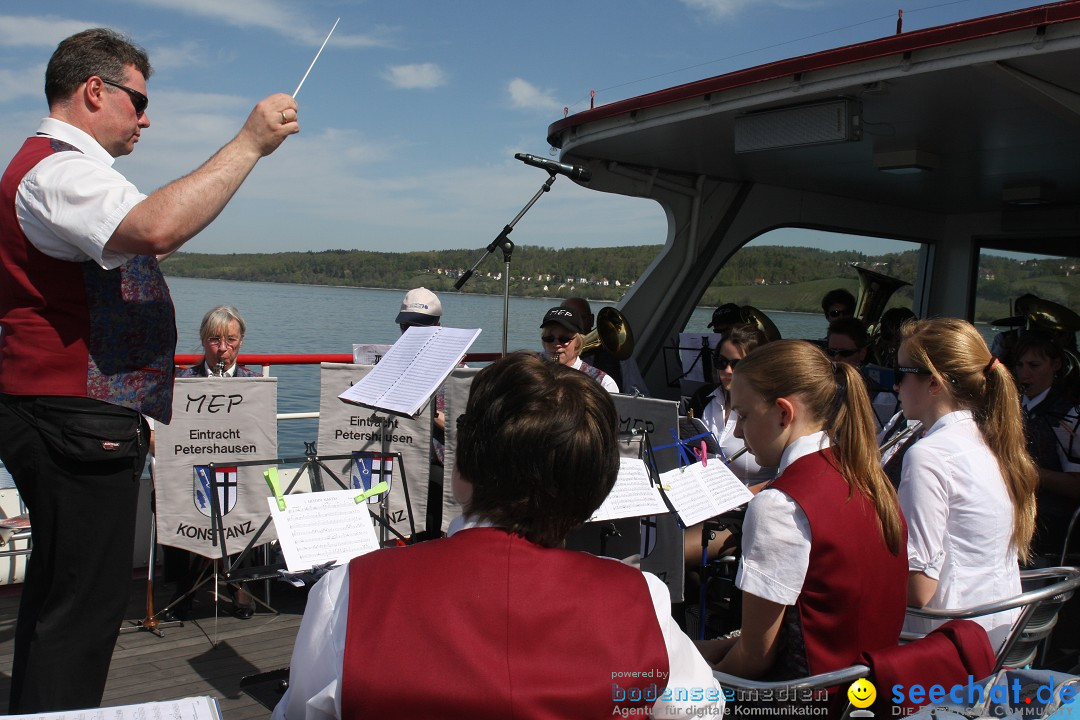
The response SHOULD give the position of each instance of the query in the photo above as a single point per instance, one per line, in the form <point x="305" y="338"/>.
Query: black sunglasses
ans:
<point x="563" y="339"/>
<point x="138" y="100"/>
<point x="723" y="363"/>
<point x="837" y="313"/>
<point x="902" y="371"/>
<point x="833" y="352"/>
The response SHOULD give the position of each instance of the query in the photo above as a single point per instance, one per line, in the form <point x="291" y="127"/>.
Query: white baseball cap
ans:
<point x="420" y="306"/>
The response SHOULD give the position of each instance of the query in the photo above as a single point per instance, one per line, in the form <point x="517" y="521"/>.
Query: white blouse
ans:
<point x="960" y="522"/>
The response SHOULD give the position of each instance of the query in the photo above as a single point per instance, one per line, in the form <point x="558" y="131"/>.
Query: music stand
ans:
<point x="151" y="623"/>
<point x="217" y="528"/>
<point x="703" y="354"/>
<point x="231" y="570"/>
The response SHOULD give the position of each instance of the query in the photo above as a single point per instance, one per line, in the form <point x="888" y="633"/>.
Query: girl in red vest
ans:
<point x="823" y="569"/>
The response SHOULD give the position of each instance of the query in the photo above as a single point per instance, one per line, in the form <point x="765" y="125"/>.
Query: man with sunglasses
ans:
<point x="837" y="304"/>
<point x="87" y="337"/>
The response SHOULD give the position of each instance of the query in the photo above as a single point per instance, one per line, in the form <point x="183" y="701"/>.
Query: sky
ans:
<point x="412" y="115"/>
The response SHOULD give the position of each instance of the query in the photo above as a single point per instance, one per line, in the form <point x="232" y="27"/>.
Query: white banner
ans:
<point x="220" y="421"/>
<point x="457" y="399"/>
<point x="346" y="428"/>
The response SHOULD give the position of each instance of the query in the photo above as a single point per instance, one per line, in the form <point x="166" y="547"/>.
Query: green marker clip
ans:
<point x="377" y="490"/>
<point x="275" y="486"/>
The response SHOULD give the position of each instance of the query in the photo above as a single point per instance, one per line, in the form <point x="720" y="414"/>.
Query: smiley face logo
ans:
<point x="862" y="693"/>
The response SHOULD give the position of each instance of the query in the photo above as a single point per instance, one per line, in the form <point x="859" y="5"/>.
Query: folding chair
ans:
<point x="16" y="530"/>
<point x="947" y="656"/>
<point x="1048" y="589"/>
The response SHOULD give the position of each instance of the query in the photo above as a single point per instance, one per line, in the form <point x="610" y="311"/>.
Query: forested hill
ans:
<point x="768" y="277"/>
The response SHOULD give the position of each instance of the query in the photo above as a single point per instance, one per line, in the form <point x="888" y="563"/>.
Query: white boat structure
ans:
<point x="961" y="138"/>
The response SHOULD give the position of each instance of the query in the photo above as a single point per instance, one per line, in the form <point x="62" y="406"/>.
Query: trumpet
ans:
<point x="612" y="333"/>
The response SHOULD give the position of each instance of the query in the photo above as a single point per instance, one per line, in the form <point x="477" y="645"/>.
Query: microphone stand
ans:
<point x="503" y="241"/>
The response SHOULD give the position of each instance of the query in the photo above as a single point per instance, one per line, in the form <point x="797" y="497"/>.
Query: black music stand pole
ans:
<point x="503" y="241"/>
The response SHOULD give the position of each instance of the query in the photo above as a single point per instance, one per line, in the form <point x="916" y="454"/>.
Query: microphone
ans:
<point x="574" y="172"/>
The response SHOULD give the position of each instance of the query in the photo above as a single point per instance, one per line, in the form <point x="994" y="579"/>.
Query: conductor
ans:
<point x="88" y="336"/>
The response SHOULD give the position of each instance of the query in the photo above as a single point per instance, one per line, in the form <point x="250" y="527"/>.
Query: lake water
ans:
<point x="316" y="319"/>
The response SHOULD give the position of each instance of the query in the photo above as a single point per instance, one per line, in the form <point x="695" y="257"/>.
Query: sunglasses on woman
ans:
<point x="722" y="363"/>
<point x="562" y="339"/>
<point x="902" y="371"/>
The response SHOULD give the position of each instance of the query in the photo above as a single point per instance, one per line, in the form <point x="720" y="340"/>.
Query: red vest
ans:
<point x="485" y="624"/>
<point x="73" y="329"/>
<point x="855" y="593"/>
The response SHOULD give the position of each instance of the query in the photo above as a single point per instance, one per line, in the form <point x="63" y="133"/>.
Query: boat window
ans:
<point x="1016" y="291"/>
<point x="786" y="273"/>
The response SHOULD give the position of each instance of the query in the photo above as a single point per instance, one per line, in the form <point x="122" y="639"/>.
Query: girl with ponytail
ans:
<point x="968" y="486"/>
<point x="823" y="568"/>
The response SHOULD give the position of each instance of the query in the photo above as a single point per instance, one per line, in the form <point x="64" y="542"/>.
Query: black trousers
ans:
<point x="76" y="463"/>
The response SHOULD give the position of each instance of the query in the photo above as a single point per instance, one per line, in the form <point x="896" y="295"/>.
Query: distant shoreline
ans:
<point x="455" y="292"/>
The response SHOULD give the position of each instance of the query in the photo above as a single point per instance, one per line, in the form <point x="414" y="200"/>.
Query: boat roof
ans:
<point x="994" y="102"/>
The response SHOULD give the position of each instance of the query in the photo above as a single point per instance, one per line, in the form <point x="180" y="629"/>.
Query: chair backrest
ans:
<point x="1068" y="536"/>
<point x="1046" y="590"/>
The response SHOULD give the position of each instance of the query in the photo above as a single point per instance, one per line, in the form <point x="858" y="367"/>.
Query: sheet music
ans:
<point x="317" y="528"/>
<point x="633" y="495"/>
<point x="699" y="493"/>
<point x="191" y="708"/>
<point x="412" y="370"/>
<point x="368" y="353"/>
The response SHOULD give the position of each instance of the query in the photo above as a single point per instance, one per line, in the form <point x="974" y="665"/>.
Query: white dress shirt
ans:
<point x="70" y="203"/>
<point x="776" y="535"/>
<point x="960" y="522"/>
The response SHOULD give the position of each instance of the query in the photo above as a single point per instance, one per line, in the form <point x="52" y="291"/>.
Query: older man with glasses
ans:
<point x="88" y="339"/>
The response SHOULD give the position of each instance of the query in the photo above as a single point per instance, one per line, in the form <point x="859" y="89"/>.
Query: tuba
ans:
<point x="612" y="333"/>
<point x="875" y="289"/>
<point x="761" y="321"/>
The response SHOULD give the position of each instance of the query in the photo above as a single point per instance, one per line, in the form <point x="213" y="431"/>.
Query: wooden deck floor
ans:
<point x="207" y="656"/>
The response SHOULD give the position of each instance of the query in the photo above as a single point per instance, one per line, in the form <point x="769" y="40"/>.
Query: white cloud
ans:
<point x="526" y="96"/>
<point x="44" y="31"/>
<point x="18" y="84"/>
<point x="276" y="16"/>
<point x="725" y="9"/>
<point x="188" y="54"/>
<point x="423" y="76"/>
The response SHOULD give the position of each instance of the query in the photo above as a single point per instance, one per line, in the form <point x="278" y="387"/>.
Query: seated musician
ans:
<point x="712" y="405"/>
<point x="1050" y="430"/>
<point x="838" y="303"/>
<point x="562" y="333"/>
<point x="967" y="487"/>
<point x="221" y="334"/>
<point x="496" y="620"/>
<point x="823" y="568"/>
